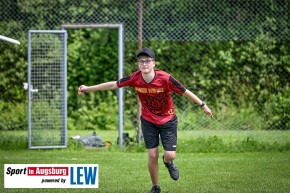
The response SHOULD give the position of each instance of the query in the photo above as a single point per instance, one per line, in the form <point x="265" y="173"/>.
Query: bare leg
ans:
<point x="169" y="156"/>
<point x="153" y="155"/>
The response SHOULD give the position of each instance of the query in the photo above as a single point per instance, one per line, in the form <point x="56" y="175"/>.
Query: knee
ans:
<point x="153" y="155"/>
<point x="169" y="156"/>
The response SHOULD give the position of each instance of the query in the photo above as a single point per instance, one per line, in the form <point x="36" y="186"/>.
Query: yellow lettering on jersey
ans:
<point x="160" y="90"/>
<point x="152" y="90"/>
<point x="142" y="90"/>
<point x="171" y="112"/>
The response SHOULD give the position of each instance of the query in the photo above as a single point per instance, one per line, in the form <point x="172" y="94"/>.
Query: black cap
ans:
<point x="146" y="51"/>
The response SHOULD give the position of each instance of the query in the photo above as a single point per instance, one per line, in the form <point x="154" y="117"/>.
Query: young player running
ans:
<point x="154" y="88"/>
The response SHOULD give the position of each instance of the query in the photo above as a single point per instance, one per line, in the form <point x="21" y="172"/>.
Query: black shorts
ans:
<point x="167" y="132"/>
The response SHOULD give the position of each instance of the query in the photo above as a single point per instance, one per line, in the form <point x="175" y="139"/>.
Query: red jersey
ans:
<point x="155" y="96"/>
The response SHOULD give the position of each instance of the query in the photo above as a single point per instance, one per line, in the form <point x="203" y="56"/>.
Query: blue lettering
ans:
<point x="79" y="175"/>
<point x="72" y="182"/>
<point x="90" y="175"/>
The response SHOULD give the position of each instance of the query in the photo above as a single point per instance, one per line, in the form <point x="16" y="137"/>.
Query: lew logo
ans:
<point x="51" y="176"/>
<point x="83" y="175"/>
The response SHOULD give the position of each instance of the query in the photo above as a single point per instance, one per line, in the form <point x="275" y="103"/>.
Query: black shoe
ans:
<point x="173" y="170"/>
<point x="155" y="189"/>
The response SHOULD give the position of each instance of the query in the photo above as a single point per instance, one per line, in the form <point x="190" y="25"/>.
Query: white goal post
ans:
<point x="120" y="66"/>
<point x="4" y="38"/>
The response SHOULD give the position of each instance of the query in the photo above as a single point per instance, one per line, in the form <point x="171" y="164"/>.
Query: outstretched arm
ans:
<point x="196" y="100"/>
<point x="104" y="86"/>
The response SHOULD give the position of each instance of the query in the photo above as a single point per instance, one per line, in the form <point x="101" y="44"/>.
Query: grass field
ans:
<point x="199" y="172"/>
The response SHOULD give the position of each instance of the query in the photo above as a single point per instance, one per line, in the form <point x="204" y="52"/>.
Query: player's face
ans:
<point x="146" y="64"/>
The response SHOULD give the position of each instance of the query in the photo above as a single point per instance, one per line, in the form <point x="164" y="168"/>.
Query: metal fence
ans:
<point x="187" y="22"/>
<point x="47" y="89"/>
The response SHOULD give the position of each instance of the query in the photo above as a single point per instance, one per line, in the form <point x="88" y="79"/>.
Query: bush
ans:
<point x="276" y="111"/>
<point x="226" y="117"/>
<point x="14" y="116"/>
<point x="90" y="116"/>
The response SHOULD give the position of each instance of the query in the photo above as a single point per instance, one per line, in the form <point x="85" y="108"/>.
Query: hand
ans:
<point x="207" y="111"/>
<point x="82" y="89"/>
